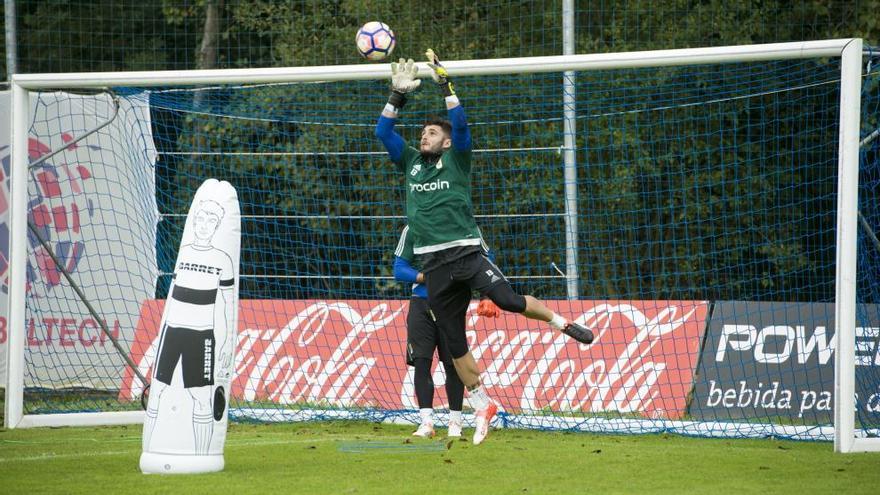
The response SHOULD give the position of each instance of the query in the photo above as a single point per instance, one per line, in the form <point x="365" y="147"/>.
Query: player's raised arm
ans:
<point x="403" y="81"/>
<point x="461" y="135"/>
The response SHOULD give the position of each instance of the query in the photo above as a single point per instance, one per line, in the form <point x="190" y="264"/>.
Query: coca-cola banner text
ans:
<point x="768" y="360"/>
<point x="351" y="353"/>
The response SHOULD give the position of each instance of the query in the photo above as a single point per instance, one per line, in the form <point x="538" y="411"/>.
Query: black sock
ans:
<point x="424" y="384"/>
<point x="454" y="388"/>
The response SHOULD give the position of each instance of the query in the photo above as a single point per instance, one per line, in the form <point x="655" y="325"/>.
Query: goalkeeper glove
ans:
<point x="403" y="81"/>
<point x="488" y="309"/>
<point x="440" y="75"/>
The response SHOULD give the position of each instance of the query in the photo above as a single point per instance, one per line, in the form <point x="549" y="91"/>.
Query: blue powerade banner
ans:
<point x="768" y="361"/>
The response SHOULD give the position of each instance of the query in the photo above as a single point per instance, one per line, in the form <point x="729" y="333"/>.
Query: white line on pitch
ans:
<point x="229" y="444"/>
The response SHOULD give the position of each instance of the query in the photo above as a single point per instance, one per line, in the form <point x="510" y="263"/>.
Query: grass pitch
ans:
<point x="351" y="457"/>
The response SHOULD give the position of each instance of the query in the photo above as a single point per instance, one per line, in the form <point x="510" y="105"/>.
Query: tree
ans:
<point x="649" y="199"/>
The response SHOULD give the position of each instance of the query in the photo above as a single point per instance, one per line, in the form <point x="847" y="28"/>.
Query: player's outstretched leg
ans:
<point x="466" y="367"/>
<point x="530" y="307"/>
<point x="535" y="309"/>
<point x="578" y="332"/>
<point x="484" y="420"/>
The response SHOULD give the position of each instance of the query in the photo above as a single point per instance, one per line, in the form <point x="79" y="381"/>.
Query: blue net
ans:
<point x="705" y="246"/>
<point x="867" y="337"/>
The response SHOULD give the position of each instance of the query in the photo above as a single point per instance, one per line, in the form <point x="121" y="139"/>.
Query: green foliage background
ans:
<point x="80" y="35"/>
<point x="693" y="182"/>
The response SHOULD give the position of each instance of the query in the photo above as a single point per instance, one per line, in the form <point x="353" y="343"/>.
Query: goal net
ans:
<point x="695" y="208"/>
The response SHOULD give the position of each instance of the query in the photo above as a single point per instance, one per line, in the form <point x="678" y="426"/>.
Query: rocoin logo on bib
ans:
<point x="429" y="186"/>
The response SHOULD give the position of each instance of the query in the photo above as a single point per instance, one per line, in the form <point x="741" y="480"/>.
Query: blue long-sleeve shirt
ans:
<point x="394" y="143"/>
<point x="461" y="134"/>
<point x="404" y="272"/>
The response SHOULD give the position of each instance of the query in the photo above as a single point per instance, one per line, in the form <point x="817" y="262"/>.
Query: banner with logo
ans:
<point x="344" y="353"/>
<point x="95" y="205"/>
<point x="5" y="139"/>
<point x="767" y="361"/>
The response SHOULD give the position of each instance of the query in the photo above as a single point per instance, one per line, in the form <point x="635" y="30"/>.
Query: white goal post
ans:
<point x="848" y="50"/>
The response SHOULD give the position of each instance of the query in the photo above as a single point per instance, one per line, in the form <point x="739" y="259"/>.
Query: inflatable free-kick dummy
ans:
<point x="186" y="418"/>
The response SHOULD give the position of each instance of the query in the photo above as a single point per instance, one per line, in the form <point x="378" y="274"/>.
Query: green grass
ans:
<point x="312" y="458"/>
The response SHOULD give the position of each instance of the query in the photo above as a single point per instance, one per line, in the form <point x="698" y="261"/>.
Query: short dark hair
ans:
<point x="440" y="122"/>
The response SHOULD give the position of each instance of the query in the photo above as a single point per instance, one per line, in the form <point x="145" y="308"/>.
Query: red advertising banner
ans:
<point x="351" y="353"/>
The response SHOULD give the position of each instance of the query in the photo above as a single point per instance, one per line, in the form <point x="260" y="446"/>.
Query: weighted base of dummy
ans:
<point x="152" y="463"/>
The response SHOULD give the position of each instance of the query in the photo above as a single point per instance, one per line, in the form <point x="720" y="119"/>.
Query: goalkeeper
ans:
<point x="423" y="337"/>
<point x="445" y="236"/>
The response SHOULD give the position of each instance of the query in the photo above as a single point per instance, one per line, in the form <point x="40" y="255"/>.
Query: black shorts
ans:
<point x="449" y="294"/>
<point x="195" y="351"/>
<point x="422" y="334"/>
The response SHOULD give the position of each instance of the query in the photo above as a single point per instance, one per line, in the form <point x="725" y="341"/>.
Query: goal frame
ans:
<point x="849" y="51"/>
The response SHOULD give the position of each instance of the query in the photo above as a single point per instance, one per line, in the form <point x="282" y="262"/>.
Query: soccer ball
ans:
<point x="375" y="40"/>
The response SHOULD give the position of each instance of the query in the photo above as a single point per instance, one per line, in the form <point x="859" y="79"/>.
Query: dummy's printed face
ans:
<point x="434" y="140"/>
<point x="205" y="224"/>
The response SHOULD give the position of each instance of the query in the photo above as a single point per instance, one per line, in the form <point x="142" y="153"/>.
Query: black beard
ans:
<point x="431" y="158"/>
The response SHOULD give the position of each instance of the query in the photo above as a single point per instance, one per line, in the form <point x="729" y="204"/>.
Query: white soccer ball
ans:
<point x="375" y="40"/>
